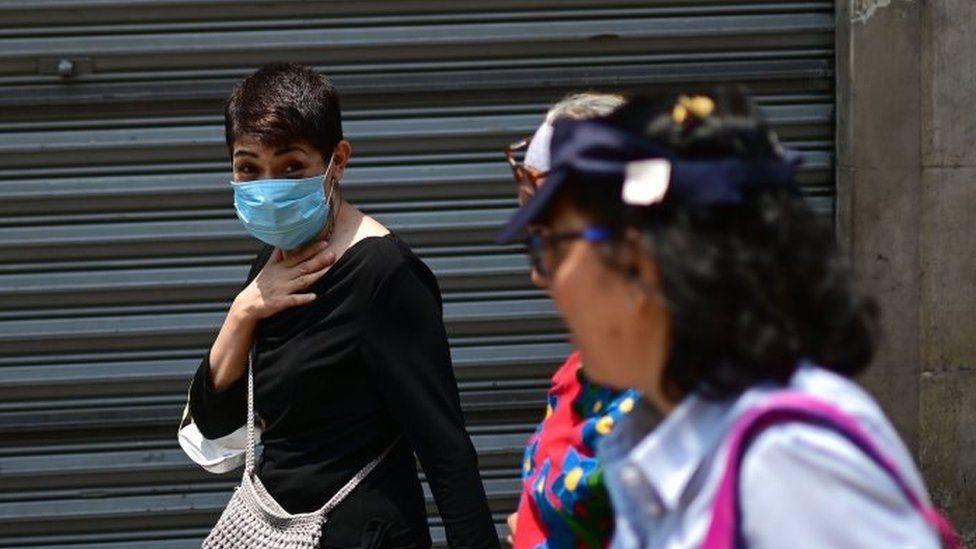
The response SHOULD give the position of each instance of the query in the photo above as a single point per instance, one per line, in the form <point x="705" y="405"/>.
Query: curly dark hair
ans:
<point x="752" y="289"/>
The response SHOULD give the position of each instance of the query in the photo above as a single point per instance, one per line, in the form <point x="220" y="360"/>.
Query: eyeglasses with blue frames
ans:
<point x="540" y="246"/>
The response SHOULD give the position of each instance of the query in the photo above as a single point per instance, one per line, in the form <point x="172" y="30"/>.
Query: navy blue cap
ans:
<point x="596" y="151"/>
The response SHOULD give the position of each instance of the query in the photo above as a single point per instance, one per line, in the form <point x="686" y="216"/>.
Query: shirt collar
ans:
<point x="670" y="455"/>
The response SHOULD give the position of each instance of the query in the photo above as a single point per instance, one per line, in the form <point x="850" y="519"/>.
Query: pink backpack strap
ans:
<point x="724" y="531"/>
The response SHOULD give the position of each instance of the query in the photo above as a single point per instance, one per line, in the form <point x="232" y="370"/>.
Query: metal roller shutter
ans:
<point x="119" y="250"/>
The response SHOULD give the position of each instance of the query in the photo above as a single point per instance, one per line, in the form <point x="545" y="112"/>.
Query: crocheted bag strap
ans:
<point x="354" y="481"/>
<point x="251" y="438"/>
<point x="249" y="462"/>
<point x="724" y="532"/>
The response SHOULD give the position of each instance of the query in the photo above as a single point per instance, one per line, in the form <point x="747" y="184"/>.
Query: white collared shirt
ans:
<point x="800" y="486"/>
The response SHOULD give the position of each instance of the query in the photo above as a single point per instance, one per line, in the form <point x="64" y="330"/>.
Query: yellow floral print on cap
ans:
<point x="699" y="106"/>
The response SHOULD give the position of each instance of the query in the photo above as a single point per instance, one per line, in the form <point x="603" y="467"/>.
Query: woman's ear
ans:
<point x="629" y="254"/>
<point x="342" y="151"/>
<point x="640" y="268"/>
<point x="649" y="276"/>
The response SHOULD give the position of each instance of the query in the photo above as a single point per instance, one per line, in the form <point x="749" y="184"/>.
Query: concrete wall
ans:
<point x="907" y="214"/>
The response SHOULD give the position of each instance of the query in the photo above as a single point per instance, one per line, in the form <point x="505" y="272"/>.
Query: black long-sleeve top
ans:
<point x="337" y="381"/>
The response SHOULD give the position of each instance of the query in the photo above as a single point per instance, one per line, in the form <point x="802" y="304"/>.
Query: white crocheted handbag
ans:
<point x="253" y="519"/>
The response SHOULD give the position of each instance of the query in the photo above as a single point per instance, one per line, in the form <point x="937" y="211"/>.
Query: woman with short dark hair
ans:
<point x="687" y="265"/>
<point x="345" y="323"/>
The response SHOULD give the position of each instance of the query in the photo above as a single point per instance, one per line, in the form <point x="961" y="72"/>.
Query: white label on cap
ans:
<point x="537" y="154"/>
<point x="646" y="182"/>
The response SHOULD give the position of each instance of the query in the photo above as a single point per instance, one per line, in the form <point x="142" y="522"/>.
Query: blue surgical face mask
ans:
<point x="285" y="213"/>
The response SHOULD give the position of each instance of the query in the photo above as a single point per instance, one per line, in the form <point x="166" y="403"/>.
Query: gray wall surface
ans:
<point x="906" y="193"/>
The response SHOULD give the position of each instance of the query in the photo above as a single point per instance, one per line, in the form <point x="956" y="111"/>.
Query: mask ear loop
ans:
<point x="330" y="199"/>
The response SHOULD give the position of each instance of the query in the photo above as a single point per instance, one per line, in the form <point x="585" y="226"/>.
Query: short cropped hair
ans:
<point x="284" y="102"/>
<point x="582" y="105"/>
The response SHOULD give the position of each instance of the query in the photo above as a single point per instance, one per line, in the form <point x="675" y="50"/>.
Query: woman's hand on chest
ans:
<point x="282" y="282"/>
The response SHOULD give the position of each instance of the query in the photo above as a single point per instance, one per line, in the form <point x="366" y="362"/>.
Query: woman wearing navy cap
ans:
<point x="686" y="265"/>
